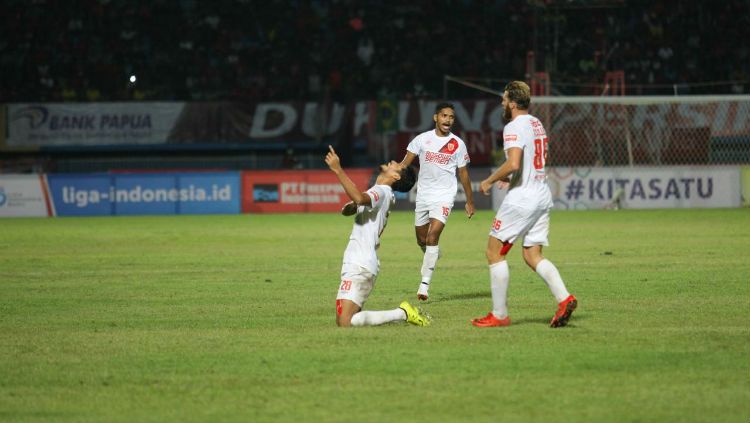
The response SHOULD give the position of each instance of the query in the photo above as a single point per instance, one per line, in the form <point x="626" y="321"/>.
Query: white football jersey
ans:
<point x="369" y="223"/>
<point x="439" y="157"/>
<point x="528" y="186"/>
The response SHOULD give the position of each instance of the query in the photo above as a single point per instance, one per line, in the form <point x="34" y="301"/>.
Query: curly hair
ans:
<point x="407" y="181"/>
<point x="443" y="105"/>
<point x="519" y="93"/>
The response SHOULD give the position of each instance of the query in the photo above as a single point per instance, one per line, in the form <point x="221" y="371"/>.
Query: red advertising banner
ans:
<point x="297" y="191"/>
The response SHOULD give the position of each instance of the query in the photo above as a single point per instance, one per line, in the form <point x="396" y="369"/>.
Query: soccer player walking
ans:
<point x="524" y="213"/>
<point x="441" y="154"/>
<point x="361" y="264"/>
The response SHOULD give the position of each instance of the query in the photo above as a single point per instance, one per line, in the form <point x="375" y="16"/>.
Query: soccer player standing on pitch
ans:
<point x="441" y="155"/>
<point x="524" y="212"/>
<point x="361" y="264"/>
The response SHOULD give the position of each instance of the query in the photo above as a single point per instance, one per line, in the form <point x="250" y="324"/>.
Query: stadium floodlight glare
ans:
<point x="132" y="79"/>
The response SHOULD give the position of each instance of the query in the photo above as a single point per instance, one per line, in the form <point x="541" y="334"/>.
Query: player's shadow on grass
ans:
<point x="530" y="320"/>
<point x="544" y="320"/>
<point x="467" y="296"/>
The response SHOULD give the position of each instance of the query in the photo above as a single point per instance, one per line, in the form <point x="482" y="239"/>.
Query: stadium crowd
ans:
<point x="87" y="50"/>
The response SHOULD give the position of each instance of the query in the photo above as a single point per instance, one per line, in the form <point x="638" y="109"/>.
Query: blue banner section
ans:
<point x="80" y="195"/>
<point x="145" y="193"/>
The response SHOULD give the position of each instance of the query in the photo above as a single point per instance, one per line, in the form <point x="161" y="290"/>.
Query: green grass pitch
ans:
<point x="231" y="319"/>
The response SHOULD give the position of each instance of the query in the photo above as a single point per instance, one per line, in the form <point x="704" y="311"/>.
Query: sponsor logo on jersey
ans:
<point x="537" y="127"/>
<point x="510" y="138"/>
<point x="438" y="158"/>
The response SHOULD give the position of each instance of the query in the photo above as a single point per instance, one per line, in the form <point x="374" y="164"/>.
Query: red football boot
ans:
<point x="490" y="321"/>
<point x="564" y="310"/>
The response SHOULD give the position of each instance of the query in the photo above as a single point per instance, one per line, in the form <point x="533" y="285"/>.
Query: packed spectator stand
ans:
<point x="87" y="50"/>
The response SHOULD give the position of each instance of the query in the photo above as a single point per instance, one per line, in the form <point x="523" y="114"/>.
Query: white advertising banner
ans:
<point x="22" y="196"/>
<point x="641" y="187"/>
<point x="58" y="124"/>
<point x="645" y="187"/>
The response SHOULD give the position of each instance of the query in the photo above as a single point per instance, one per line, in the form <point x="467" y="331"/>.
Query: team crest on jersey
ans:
<point x="375" y="194"/>
<point x="450" y="147"/>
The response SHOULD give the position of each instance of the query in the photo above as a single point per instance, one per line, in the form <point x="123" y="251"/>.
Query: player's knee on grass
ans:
<point x="345" y="309"/>
<point x="343" y="322"/>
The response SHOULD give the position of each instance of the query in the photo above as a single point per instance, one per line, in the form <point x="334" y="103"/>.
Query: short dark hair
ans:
<point x="519" y="93"/>
<point x="407" y="181"/>
<point x="444" y="105"/>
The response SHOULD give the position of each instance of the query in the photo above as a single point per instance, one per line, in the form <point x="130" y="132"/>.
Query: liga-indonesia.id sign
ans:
<point x="145" y="193"/>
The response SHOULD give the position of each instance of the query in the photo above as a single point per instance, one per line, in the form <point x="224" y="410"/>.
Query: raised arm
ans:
<point x="357" y="196"/>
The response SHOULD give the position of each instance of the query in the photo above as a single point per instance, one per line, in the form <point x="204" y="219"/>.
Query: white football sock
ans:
<point x="428" y="262"/>
<point x="424" y="249"/>
<point x="431" y="256"/>
<point x="374" y="318"/>
<point x="499" y="279"/>
<point x="551" y="276"/>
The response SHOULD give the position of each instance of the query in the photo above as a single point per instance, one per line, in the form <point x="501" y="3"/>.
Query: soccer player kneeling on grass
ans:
<point x="524" y="212"/>
<point x="360" y="267"/>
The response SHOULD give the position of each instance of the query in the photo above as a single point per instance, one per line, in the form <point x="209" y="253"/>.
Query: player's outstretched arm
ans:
<point x="408" y="159"/>
<point x="334" y="163"/>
